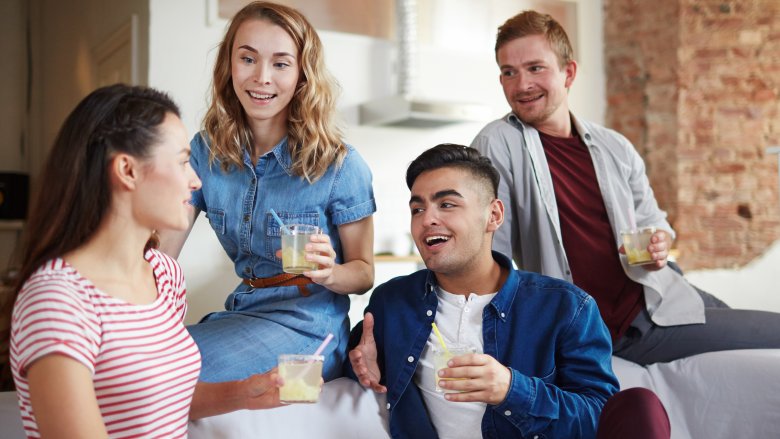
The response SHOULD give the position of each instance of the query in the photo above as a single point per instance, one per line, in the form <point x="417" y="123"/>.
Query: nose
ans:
<point x="429" y="217"/>
<point x="195" y="182"/>
<point x="523" y="81"/>
<point x="262" y="74"/>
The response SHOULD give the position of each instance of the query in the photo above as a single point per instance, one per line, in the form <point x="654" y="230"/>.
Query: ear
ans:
<point x="496" y="217"/>
<point x="124" y="171"/>
<point x="571" y="73"/>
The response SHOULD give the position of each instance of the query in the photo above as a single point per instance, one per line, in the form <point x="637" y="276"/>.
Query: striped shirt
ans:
<point x="144" y="363"/>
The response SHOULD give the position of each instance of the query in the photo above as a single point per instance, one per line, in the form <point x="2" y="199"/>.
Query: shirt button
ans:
<point x="429" y="313"/>
<point x="247" y="270"/>
<point x="246" y="218"/>
<point x="410" y="359"/>
<point x="503" y="315"/>
<point x="587" y="136"/>
<point x="509" y="413"/>
<point x="466" y="309"/>
<point x="388" y="406"/>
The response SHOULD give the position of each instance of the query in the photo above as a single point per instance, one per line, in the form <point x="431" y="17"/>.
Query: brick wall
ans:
<point x="695" y="84"/>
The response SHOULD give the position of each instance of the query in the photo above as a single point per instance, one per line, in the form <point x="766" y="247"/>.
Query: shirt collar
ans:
<point x="506" y="295"/>
<point x="580" y="127"/>
<point x="280" y="151"/>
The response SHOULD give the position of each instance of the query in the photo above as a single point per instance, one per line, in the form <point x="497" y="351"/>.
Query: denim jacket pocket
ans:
<point x="216" y="219"/>
<point x="273" y="232"/>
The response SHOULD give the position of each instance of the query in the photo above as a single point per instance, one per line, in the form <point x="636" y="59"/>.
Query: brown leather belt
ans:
<point x="281" y="280"/>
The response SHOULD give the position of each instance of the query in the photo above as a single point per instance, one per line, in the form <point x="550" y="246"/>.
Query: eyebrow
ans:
<point x="437" y="196"/>
<point x="525" y="64"/>
<point x="253" y="50"/>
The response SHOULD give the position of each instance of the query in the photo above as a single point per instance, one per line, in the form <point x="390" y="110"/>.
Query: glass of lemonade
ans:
<point x="635" y="242"/>
<point x="440" y="359"/>
<point x="302" y="375"/>
<point x="294" y="240"/>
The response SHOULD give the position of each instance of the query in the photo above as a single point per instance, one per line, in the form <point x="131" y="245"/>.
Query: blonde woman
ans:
<point x="270" y="142"/>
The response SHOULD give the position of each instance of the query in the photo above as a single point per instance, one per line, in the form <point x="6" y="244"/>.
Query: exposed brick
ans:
<point x="695" y="85"/>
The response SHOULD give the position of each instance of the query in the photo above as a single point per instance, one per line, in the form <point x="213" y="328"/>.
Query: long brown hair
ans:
<point x="314" y="139"/>
<point x="76" y="194"/>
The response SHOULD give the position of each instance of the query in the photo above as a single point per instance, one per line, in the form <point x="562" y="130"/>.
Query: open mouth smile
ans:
<point x="436" y="240"/>
<point x="261" y="96"/>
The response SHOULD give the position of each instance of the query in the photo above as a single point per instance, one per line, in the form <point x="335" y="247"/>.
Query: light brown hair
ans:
<point x="534" y="23"/>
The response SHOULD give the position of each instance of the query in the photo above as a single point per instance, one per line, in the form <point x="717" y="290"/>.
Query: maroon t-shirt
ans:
<point x="587" y="235"/>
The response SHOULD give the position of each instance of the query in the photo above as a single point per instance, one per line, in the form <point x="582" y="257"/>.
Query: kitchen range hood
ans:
<point x="406" y="109"/>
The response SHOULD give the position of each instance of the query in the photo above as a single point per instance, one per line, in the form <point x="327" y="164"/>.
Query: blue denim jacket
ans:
<point x="547" y="331"/>
<point x="237" y="204"/>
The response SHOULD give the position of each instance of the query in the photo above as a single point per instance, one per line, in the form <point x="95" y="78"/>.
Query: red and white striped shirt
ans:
<point x="143" y="361"/>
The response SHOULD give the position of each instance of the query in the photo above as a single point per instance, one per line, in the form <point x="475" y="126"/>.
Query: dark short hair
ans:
<point x="450" y="155"/>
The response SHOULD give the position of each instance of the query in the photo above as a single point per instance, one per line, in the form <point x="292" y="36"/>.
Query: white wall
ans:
<point x="754" y="286"/>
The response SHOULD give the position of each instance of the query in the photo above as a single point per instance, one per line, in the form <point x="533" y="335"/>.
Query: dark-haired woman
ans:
<point x="98" y="348"/>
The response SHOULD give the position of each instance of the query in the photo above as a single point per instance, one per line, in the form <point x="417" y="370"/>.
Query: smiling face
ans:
<point x="265" y="70"/>
<point x="454" y="216"/>
<point x="167" y="180"/>
<point x="534" y="84"/>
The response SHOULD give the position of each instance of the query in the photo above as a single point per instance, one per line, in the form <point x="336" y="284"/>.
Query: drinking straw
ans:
<point x="281" y="224"/>
<point x="319" y="350"/>
<point x="324" y="343"/>
<point x="441" y="339"/>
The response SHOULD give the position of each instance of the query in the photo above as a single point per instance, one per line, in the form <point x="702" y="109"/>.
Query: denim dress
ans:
<point x="259" y="324"/>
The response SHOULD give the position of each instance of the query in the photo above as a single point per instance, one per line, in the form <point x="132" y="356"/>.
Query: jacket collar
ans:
<point x="581" y="128"/>
<point x="506" y="295"/>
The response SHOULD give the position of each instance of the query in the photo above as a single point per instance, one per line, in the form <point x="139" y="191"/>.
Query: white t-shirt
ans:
<point x="459" y="319"/>
<point x="143" y="361"/>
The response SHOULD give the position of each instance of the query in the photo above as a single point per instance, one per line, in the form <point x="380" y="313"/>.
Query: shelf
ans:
<point x="392" y="258"/>
<point x="13" y="225"/>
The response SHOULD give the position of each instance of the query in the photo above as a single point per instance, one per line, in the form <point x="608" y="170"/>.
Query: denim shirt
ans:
<point x="531" y="231"/>
<point x="546" y="331"/>
<point x="238" y="202"/>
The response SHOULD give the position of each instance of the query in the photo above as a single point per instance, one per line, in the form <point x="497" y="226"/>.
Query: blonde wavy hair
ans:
<point x="314" y="139"/>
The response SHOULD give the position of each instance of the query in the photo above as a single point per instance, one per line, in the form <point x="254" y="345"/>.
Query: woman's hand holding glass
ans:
<point x="320" y="251"/>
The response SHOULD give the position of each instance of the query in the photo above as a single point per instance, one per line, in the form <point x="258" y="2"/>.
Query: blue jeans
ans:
<point x="248" y="337"/>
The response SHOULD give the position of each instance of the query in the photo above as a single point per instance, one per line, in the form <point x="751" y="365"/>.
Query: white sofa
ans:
<point x="709" y="396"/>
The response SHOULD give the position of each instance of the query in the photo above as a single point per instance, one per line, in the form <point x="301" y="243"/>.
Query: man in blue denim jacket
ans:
<point x="543" y="362"/>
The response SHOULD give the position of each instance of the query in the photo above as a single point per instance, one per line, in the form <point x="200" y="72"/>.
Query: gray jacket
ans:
<point x="531" y="227"/>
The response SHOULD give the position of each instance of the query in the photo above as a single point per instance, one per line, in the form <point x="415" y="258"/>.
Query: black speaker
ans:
<point x="14" y="194"/>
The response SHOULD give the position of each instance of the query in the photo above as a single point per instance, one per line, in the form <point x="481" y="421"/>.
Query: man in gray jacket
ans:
<point x="570" y="186"/>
